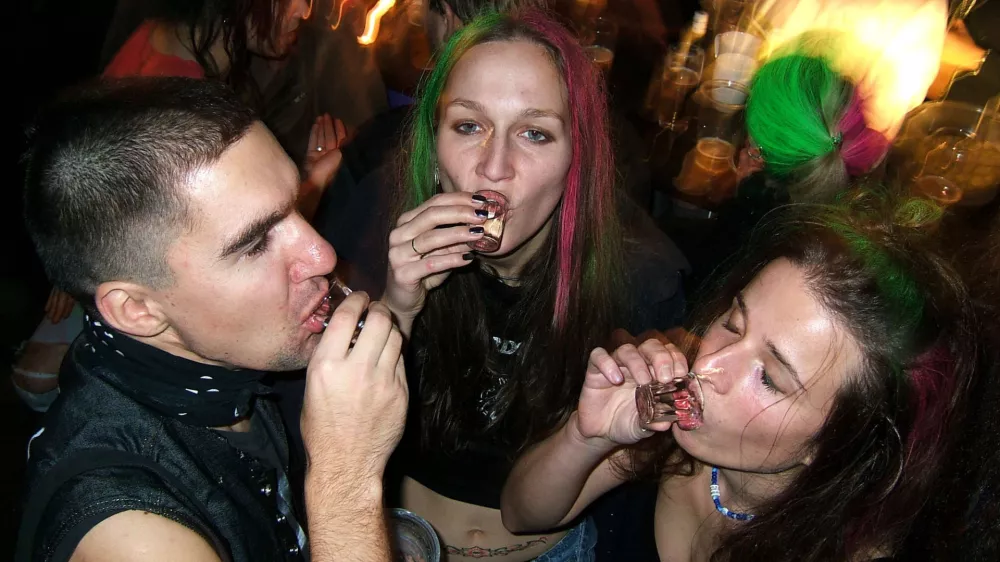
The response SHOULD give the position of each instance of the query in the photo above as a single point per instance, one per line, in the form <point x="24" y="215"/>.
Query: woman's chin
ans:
<point x="686" y="439"/>
<point x="506" y="250"/>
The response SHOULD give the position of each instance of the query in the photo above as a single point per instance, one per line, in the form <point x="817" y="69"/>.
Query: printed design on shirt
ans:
<point x="506" y="347"/>
<point x="489" y="397"/>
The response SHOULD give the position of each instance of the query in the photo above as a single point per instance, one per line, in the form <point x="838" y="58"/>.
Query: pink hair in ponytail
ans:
<point x="862" y="147"/>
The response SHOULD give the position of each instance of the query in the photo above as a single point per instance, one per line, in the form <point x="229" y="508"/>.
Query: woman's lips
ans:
<point x="690" y="404"/>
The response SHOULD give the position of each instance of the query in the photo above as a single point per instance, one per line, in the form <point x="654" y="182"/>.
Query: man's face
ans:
<point x="249" y="272"/>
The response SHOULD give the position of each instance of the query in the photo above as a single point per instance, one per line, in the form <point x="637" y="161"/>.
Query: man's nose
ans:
<point x="315" y="257"/>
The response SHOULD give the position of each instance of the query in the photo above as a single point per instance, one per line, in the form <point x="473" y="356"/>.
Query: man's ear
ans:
<point x="130" y="308"/>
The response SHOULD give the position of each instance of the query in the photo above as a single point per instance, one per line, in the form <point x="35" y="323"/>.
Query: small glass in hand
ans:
<point x="496" y="216"/>
<point x="680" y="401"/>
<point x="338" y="292"/>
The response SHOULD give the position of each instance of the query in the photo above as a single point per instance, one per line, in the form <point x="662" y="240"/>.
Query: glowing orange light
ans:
<point x="891" y="48"/>
<point x="372" y="20"/>
<point x="340" y="15"/>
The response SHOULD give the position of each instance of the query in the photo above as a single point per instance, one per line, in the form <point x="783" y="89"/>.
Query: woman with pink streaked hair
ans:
<point x="499" y="337"/>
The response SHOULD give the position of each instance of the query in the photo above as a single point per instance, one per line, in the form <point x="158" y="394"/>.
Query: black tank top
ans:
<point x="100" y="452"/>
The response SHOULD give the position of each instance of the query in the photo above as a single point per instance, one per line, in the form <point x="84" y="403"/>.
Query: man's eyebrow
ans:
<point x="253" y="232"/>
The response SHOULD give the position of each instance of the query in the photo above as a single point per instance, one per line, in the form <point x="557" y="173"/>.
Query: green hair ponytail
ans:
<point x="793" y="109"/>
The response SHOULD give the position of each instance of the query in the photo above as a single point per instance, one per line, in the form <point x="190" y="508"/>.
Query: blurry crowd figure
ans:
<point x="808" y="141"/>
<point x="890" y="49"/>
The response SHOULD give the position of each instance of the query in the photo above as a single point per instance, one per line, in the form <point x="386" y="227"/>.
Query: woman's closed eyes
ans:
<point x="759" y="371"/>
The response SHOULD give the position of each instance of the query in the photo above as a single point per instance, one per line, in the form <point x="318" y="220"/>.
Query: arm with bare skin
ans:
<point x="352" y="419"/>
<point x="555" y="480"/>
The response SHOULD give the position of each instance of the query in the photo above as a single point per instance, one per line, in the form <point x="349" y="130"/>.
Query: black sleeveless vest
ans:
<point x="100" y="452"/>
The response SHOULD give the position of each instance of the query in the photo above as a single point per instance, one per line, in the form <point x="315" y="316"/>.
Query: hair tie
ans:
<point x="838" y="139"/>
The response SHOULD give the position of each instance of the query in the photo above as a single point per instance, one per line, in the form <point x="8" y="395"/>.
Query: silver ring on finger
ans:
<point x="414" y="246"/>
<point x="319" y="148"/>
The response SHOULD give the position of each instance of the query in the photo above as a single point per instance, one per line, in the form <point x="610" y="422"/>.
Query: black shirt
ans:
<point x="143" y="459"/>
<point x="476" y="475"/>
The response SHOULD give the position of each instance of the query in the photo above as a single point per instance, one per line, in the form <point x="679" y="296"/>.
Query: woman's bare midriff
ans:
<point x="472" y="532"/>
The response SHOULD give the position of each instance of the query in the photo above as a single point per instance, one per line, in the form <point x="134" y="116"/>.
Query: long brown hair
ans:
<point x="568" y="291"/>
<point x="872" y="263"/>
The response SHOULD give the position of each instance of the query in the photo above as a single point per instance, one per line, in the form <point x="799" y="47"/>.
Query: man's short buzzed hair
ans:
<point x="102" y="199"/>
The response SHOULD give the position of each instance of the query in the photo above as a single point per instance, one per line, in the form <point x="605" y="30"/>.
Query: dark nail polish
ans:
<point x="467" y="256"/>
<point x="479" y="198"/>
<point x="482" y="213"/>
<point x="476" y="230"/>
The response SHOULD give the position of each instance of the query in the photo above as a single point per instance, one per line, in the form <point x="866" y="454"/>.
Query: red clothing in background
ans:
<point x="137" y="57"/>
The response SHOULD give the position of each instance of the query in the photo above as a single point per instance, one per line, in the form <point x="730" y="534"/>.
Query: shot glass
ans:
<point x="680" y="401"/>
<point x="496" y="216"/>
<point x="338" y="292"/>
<point x="942" y="190"/>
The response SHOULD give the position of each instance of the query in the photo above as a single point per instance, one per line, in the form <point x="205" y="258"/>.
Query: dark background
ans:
<point x="56" y="43"/>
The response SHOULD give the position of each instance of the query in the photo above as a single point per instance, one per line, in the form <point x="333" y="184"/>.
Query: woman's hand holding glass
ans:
<point x="607" y="406"/>
<point x="426" y="245"/>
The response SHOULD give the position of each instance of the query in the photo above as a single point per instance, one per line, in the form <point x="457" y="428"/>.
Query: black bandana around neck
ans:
<point x="192" y="392"/>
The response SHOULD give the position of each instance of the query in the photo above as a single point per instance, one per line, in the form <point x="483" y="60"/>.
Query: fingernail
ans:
<point x="467" y="256"/>
<point x="479" y="198"/>
<point x="476" y="230"/>
<point x="482" y="213"/>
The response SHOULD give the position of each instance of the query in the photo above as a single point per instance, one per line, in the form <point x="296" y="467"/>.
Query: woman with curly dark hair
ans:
<point x="832" y="369"/>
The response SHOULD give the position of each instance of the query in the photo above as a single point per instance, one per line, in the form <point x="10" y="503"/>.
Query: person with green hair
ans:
<point x="808" y="134"/>
<point x="807" y="126"/>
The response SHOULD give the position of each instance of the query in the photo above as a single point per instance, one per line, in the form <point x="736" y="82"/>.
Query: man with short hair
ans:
<point x="168" y="210"/>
